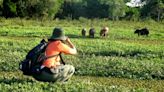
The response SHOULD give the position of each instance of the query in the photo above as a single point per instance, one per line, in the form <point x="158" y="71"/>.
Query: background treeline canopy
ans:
<point x="75" y="9"/>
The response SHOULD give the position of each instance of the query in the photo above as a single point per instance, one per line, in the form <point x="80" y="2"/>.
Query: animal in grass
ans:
<point x="143" y="31"/>
<point x="104" y="32"/>
<point x="83" y="32"/>
<point x="92" y="33"/>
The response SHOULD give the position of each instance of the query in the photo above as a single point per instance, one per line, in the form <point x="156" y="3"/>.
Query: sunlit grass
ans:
<point x="122" y="62"/>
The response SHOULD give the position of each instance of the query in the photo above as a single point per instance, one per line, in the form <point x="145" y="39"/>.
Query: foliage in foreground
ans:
<point x="15" y="82"/>
<point x="121" y="55"/>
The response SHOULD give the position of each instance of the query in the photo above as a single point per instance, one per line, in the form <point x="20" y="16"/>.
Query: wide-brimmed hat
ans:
<point x="58" y="34"/>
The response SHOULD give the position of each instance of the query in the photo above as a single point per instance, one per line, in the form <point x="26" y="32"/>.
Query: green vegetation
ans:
<point x="120" y="63"/>
<point x="75" y="9"/>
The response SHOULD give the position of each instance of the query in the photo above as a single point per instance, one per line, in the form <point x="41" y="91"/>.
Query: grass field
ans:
<point x="123" y="62"/>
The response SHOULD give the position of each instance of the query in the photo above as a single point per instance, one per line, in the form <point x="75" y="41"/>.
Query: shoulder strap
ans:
<point x="51" y="56"/>
<point x="61" y="59"/>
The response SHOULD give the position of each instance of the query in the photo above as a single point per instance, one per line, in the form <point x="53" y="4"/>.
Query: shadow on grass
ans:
<point x="14" y="80"/>
<point x="81" y="37"/>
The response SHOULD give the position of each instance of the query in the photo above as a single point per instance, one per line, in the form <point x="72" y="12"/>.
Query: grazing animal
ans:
<point x="91" y="33"/>
<point x="143" y="31"/>
<point x="104" y="32"/>
<point x="83" y="32"/>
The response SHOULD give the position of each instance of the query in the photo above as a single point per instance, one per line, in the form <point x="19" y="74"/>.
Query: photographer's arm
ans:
<point x="73" y="48"/>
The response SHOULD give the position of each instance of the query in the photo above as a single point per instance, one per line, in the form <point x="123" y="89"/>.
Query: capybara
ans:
<point x="91" y="33"/>
<point x="143" y="31"/>
<point x="104" y="32"/>
<point x="83" y="32"/>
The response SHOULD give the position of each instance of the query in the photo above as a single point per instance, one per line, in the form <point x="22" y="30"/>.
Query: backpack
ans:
<point x="35" y="57"/>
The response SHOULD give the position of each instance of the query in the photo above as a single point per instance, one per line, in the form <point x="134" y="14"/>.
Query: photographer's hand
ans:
<point x="70" y="43"/>
<point x="74" y="51"/>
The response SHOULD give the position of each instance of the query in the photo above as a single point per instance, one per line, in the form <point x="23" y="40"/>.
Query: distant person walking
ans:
<point x="52" y="68"/>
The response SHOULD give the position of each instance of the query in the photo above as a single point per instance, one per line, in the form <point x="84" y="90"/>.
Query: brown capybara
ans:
<point x="104" y="32"/>
<point x="91" y="33"/>
<point x="83" y="32"/>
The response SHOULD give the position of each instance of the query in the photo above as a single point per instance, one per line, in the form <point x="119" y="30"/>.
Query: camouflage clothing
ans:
<point x="62" y="73"/>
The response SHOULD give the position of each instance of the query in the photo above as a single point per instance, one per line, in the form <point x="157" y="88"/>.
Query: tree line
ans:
<point x="75" y="9"/>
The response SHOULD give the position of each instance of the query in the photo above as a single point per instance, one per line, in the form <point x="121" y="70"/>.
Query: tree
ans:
<point x="1" y="2"/>
<point x="9" y="8"/>
<point x="116" y="9"/>
<point x="48" y="8"/>
<point x="153" y="9"/>
<point x="132" y="13"/>
<point x="93" y="8"/>
<point x="31" y="8"/>
<point x="79" y="9"/>
<point x="97" y="8"/>
<point x="67" y="9"/>
<point x="23" y="6"/>
<point x="82" y="8"/>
